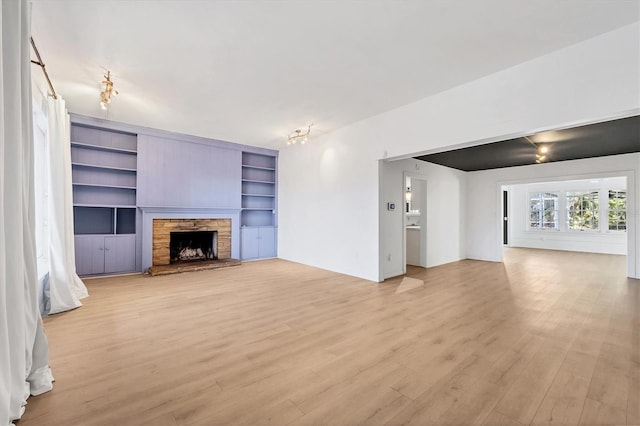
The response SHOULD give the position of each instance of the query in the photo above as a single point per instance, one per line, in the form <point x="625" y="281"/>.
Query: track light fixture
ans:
<point x="541" y="155"/>
<point x="542" y="151"/>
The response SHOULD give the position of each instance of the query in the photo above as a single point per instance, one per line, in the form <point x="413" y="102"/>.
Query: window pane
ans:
<point x="617" y="210"/>
<point x="543" y="210"/>
<point x="582" y="210"/>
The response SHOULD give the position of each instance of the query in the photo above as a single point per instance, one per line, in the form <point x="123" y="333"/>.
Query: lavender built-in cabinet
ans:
<point x="258" y="217"/>
<point x="104" y="167"/>
<point x="105" y="254"/>
<point x="121" y="171"/>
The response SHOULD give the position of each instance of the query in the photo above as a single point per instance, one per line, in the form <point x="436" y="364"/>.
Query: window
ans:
<point x="582" y="210"/>
<point x="617" y="210"/>
<point x="543" y="210"/>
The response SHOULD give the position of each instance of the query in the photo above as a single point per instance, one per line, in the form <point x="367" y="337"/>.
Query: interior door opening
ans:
<point x="580" y="215"/>
<point x="505" y="217"/>
<point x="415" y="221"/>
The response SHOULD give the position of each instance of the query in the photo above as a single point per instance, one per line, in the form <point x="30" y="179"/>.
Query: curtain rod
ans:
<point x="44" y="70"/>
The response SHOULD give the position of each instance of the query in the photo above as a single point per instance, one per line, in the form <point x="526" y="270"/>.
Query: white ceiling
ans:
<point x="252" y="71"/>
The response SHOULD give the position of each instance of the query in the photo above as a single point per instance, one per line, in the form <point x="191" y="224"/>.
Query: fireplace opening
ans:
<point x="189" y="246"/>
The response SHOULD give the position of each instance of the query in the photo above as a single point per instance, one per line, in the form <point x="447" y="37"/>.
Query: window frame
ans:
<point x="596" y="196"/>
<point x="557" y="211"/>
<point x="608" y="195"/>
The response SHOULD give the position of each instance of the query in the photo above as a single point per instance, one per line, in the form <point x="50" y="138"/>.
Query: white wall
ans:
<point x="323" y="183"/>
<point x="444" y="216"/>
<point x="484" y="226"/>
<point x="328" y="205"/>
<point x="601" y="241"/>
<point x="417" y="191"/>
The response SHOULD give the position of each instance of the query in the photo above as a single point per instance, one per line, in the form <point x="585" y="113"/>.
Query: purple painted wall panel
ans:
<point x="175" y="173"/>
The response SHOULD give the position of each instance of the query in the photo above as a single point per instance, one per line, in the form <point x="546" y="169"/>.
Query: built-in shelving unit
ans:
<point x="103" y="148"/>
<point x="104" y="168"/>
<point x="258" y="214"/>
<point x="99" y="166"/>
<point x="124" y="176"/>
<point x="258" y="190"/>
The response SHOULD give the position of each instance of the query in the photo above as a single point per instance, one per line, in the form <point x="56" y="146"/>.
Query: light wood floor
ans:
<point x="546" y="337"/>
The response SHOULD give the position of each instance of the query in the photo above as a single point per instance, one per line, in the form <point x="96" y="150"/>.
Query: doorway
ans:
<point x="415" y="221"/>
<point x="505" y="217"/>
<point x="582" y="214"/>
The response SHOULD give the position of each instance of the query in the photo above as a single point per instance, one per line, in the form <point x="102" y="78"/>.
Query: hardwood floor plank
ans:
<point x="564" y="401"/>
<point x="475" y="400"/>
<point x="544" y="338"/>
<point x="633" y="401"/>
<point x="527" y="391"/>
<point x="609" y="386"/>
<point x="497" y="419"/>
<point x="598" y="413"/>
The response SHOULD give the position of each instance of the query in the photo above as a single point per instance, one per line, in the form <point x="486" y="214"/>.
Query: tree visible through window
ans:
<point x="582" y="210"/>
<point x="617" y="210"/>
<point x="543" y="210"/>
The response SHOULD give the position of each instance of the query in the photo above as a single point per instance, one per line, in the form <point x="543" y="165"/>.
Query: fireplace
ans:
<point x="192" y="246"/>
<point x="197" y="239"/>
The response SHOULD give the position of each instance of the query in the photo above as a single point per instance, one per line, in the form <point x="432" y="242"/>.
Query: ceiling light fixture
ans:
<point x="541" y="154"/>
<point x="109" y="90"/>
<point x="298" y="136"/>
<point x="541" y="150"/>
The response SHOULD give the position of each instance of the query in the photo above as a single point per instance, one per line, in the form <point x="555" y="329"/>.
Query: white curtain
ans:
<point x="24" y="351"/>
<point x="65" y="287"/>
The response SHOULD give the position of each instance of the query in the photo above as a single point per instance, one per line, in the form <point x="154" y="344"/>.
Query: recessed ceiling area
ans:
<point x="614" y="137"/>
<point x="253" y="71"/>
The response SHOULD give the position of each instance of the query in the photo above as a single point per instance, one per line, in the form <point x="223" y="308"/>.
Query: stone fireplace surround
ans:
<point x="162" y="229"/>
<point x="149" y="214"/>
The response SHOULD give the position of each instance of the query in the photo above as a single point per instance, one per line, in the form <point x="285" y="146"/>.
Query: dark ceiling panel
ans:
<point x="595" y="140"/>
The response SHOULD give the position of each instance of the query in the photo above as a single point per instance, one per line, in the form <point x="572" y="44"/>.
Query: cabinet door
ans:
<point x="249" y="243"/>
<point x="83" y="255"/>
<point x="267" y="242"/>
<point x="89" y="254"/>
<point x="119" y="253"/>
<point x="97" y="257"/>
